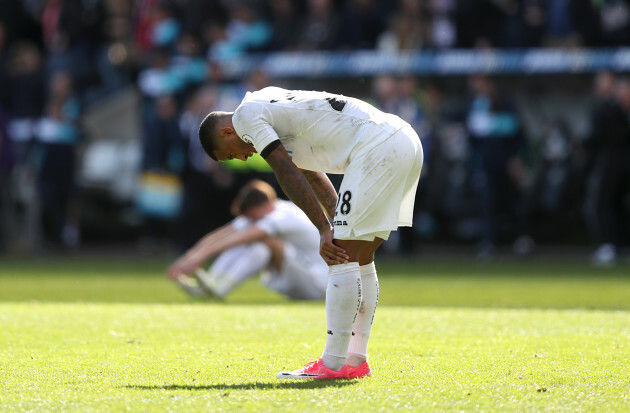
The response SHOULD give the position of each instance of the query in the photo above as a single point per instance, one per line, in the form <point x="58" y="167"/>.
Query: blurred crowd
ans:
<point x="483" y="179"/>
<point x="487" y="180"/>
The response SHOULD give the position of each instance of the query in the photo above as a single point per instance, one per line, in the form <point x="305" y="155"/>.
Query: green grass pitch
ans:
<point x="114" y="335"/>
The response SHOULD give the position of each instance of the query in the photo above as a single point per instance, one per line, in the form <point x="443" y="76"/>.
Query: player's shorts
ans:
<point x="378" y="190"/>
<point x="304" y="276"/>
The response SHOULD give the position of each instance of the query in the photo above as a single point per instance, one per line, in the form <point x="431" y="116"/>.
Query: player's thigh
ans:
<point x="360" y="251"/>
<point x="375" y="187"/>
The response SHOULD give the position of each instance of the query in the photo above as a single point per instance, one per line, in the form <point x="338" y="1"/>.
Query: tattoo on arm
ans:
<point x="297" y="187"/>
<point x="324" y="191"/>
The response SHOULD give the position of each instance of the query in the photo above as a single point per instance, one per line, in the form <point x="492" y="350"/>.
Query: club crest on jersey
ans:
<point x="248" y="139"/>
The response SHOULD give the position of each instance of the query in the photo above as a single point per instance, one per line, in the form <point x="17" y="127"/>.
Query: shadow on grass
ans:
<point x="309" y="384"/>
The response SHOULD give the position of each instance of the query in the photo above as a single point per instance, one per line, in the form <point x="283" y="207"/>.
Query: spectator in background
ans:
<point x="57" y="137"/>
<point x="24" y="97"/>
<point x="163" y="161"/>
<point x="116" y="58"/>
<point x="157" y="79"/>
<point x="446" y="204"/>
<point x="551" y="197"/>
<point x="320" y="29"/>
<point x="24" y="93"/>
<point x="143" y="25"/>
<point x="560" y="30"/>
<point x="171" y="76"/>
<point x="188" y="63"/>
<point x="496" y="137"/>
<point x="6" y="167"/>
<point x="208" y="186"/>
<point x="244" y="32"/>
<point x="615" y="21"/>
<point x="604" y="109"/>
<point x="601" y="23"/>
<point x="385" y="93"/>
<point x="54" y="39"/>
<point x="165" y="27"/>
<point x="162" y="145"/>
<point x="443" y="30"/>
<point x="408" y="29"/>
<point x="362" y="22"/>
<point x="73" y="34"/>
<point x="196" y="15"/>
<point x="409" y="106"/>
<point x="608" y="183"/>
<point x="285" y="20"/>
<point x="524" y="23"/>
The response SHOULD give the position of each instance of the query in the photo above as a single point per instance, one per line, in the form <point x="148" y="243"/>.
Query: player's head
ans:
<point x="219" y="139"/>
<point x="254" y="200"/>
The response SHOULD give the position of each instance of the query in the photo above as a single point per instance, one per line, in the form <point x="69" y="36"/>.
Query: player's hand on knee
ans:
<point x="330" y="252"/>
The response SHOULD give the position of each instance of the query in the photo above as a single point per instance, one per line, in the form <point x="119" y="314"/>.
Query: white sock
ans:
<point x="365" y="316"/>
<point x="343" y="297"/>
<point x="236" y="265"/>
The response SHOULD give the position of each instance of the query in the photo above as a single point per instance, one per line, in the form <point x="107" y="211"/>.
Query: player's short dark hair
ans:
<point x="253" y="194"/>
<point x="208" y="132"/>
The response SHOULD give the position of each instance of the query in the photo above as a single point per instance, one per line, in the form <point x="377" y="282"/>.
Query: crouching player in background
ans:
<point x="269" y="236"/>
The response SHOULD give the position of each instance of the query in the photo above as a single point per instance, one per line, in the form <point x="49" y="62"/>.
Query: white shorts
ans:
<point x="304" y="276"/>
<point x="378" y="190"/>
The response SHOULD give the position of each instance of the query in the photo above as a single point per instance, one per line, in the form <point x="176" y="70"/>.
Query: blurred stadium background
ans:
<point x="523" y="108"/>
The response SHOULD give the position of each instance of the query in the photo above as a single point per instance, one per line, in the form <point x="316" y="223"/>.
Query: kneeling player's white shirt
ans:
<point x="320" y="131"/>
<point x="289" y="223"/>
<point x="304" y="273"/>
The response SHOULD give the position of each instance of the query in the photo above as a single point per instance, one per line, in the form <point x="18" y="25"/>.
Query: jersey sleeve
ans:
<point x="240" y="223"/>
<point x="251" y="122"/>
<point x="270" y="224"/>
<point x="278" y="223"/>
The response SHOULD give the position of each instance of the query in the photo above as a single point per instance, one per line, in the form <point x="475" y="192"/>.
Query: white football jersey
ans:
<point x="319" y="130"/>
<point x="287" y="222"/>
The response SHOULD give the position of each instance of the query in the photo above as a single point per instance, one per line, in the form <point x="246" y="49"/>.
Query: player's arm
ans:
<point x="201" y="251"/>
<point x="245" y="236"/>
<point x="324" y="191"/>
<point x="298" y="189"/>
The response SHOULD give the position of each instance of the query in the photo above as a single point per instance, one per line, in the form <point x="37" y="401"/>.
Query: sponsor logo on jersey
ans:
<point x="248" y="139"/>
<point x="340" y="222"/>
